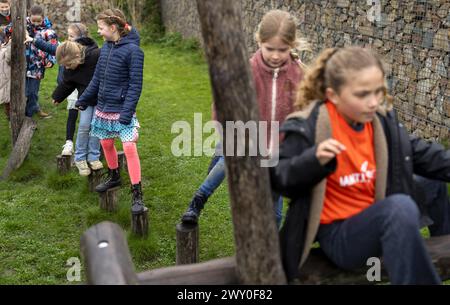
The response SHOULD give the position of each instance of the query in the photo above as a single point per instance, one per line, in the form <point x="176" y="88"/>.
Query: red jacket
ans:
<point x="275" y="90"/>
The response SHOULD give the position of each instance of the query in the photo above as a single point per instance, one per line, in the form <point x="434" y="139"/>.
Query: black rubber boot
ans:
<point x="111" y="181"/>
<point x="194" y="209"/>
<point x="137" y="205"/>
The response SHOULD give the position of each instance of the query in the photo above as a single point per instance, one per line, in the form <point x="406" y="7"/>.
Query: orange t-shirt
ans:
<point x="351" y="188"/>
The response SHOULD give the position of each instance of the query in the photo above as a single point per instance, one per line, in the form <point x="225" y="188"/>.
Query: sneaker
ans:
<point x="83" y="168"/>
<point x="43" y="114"/>
<point x="67" y="148"/>
<point x="95" y="165"/>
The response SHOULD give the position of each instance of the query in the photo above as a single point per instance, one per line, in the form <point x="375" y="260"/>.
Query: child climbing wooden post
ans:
<point x="257" y="256"/>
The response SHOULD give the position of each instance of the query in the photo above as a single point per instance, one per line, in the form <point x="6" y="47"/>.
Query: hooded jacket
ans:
<point x="117" y="81"/>
<point x="37" y="59"/>
<point x="80" y="77"/>
<point x="300" y="176"/>
<point x="275" y="89"/>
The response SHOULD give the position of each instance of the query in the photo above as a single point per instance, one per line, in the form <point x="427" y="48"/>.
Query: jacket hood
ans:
<point x="86" y="41"/>
<point x="132" y="37"/>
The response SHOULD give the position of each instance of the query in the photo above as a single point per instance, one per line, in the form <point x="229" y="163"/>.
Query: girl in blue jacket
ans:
<point x="117" y="86"/>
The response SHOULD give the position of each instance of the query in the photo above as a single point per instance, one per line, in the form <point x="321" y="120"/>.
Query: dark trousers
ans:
<point x="32" y="95"/>
<point x="389" y="228"/>
<point x="434" y="204"/>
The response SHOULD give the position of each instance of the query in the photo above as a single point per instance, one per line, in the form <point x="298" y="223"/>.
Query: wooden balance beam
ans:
<point x="108" y="261"/>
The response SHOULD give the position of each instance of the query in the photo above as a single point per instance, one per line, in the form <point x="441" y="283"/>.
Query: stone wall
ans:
<point x="411" y="35"/>
<point x="63" y="12"/>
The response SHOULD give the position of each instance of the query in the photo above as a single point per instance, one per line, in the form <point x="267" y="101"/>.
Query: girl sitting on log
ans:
<point x="347" y="164"/>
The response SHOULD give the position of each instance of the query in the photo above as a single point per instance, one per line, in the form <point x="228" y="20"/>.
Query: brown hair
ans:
<point x="37" y="10"/>
<point x="331" y="69"/>
<point x="70" y="53"/>
<point x="282" y="24"/>
<point x="115" y="17"/>
<point x="80" y="29"/>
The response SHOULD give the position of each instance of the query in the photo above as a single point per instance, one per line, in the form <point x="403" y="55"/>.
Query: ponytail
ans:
<point x="313" y="86"/>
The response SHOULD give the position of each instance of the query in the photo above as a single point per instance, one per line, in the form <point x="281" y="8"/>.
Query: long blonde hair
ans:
<point x="70" y="53"/>
<point x="331" y="69"/>
<point x="282" y="24"/>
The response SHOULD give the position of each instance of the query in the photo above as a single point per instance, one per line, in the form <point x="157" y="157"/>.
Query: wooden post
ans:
<point x="257" y="245"/>
<point x="18" y="64"/>
<point x="107" y="259"/>
<point x="94" y="179"/>
<point x="109" y="200"/>
<point x="63" y="164"/>
<point x="187" y="243"/>
<point x="122" y="161"/>
<point x="139" y="223"/>
<point x="20" y="150"/>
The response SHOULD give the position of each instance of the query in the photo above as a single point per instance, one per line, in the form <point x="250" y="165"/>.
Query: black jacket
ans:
<point x="298" y="171"/>
<point x="80" y="77"/>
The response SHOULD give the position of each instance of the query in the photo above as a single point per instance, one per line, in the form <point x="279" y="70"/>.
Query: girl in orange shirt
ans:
<point x="347" y="164"/>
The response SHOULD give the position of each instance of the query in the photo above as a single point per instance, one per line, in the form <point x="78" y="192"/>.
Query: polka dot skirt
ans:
<point x="106" y="125"/>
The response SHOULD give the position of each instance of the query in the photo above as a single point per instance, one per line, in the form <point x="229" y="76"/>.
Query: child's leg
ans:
<point x="110" y="153"/>
<point x="32" y="95"/>
<point x="388" y="228"/>
<point x="214" y="178"/>
<point x="434" y="201"/>
<point x="133" y="162"/>
<point x="71" y="124"/>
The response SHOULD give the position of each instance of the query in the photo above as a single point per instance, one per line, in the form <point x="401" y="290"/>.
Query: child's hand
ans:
<point x="28" y="38"/>
<point x="49" y="65"/>
<point x="56" y="103"/>
<point x="327" y="150"/>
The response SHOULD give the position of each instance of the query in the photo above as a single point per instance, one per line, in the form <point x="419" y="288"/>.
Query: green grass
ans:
<point x="43" y="215"/>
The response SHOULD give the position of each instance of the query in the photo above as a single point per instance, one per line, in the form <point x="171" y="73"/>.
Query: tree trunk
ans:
<point x="18" y="64"/>
<point x="20" y="150"/>
<point x="257" y="246"/>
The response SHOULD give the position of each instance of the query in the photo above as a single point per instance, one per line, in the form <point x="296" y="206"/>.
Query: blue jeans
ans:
<point x="216" y="174"/>
<point x="87" y="147"/>
<point x="388" y="228"/>
<point x="434" y="204"/>
<point x="32" y="96"/>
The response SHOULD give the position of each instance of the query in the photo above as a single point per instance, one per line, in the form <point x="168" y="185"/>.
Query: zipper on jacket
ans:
<point x="106" y="69"/>
<point x="274" y="103"/>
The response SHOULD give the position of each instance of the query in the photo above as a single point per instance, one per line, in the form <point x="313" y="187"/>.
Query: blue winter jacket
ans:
<point x="117" y="81"/>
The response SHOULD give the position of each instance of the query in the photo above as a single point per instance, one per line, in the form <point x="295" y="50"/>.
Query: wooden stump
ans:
<point x="187" y="244"/>
<point x="122" y="161"/>
<point x="63" y="164"/>
<point x="94" y="179"/>
<point x="139" y="223"/>
<point x="109" y="200"/>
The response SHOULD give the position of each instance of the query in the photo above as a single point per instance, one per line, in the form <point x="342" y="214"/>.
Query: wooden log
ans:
<point x="139" y="223"/>
<point x="94" y="179"/>
<point x="107" y="259"/>
<point x="63" y="164"/>
<point x="318" y="269"/>
<point x="18" y="64"/>
<point x="122" y="161"/>
<point x="109" y="200"/>
<point x="255" y="231"/>
<point x="214" y="272"/>
<point x="187" y="244"/>
<point x="21" y="148"/>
